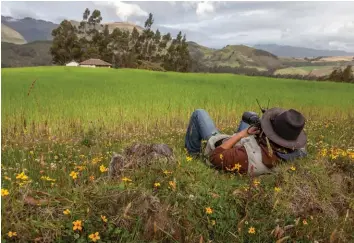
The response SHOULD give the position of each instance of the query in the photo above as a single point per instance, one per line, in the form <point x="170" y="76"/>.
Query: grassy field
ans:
<point x="305" y="70"/>
<point x="310" y="68"/>
<point x="61" y="125"/>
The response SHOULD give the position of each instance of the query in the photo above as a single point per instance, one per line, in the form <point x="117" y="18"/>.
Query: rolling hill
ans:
<point x="294" y="51"/>
<point x="11" y="36"/>
<point x="39" y="30"/>
<point x="31" y="29"/>
<point x="234" y="56"/>
<point x="30" y="54"/>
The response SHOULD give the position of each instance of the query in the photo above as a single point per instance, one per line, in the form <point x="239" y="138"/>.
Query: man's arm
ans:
<point x="231" y="158"/>
<point x="238" y="136"/>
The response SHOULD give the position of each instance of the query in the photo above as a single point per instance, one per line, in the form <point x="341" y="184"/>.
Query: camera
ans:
<point x="251" y="118"/>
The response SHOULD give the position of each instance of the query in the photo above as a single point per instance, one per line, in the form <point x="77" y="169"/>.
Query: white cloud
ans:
<point x="5" y="10"/>
<point x="189" y="5"/>
<point x="124" y="10"/>
<point x="204" y="7"/>
<point x="254" y="12"/>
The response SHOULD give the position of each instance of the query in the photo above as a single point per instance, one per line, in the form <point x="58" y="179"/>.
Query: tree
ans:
<point x="157" y="36"/>
<point x="134" y="35"/>
<point x="65" y="45"/>
<point x="86" y="14"/>
<point x="149" y="22"/>
<point x="348" y="74"/>
<point x="95" y="18"/>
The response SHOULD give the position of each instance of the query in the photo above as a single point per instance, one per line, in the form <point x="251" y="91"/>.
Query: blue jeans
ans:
<point x="201" y="127"/>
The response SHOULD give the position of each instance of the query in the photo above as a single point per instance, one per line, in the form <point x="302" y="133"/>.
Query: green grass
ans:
<point x="62" y="96"/>
<point x="75" y="118"/>
<point x="310" y="68"/>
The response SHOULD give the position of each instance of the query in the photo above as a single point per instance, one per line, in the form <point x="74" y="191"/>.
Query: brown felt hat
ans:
<point x="284" y="127"/>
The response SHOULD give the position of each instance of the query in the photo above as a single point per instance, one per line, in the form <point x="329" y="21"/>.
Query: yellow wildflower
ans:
<point x="80" y="167"/>
<point x="22" y="176"/>
<point x="350" y="154"/>
<point x="77" y="225"/>
<point x="172" y="185"/>
<point x="47" y="178"/>
<point x="293" y="168"/>
<point x="66" y="212"/>
<point x="94" y="237"/>
<point x="11" y="234"/>
<point x="31" y="152"/>
<point x="103" y="168"/>
<point x="92" y="178"/>
<point x="73" y="174"/>
<point x="126" y="179"/>
<point x="251" y="230"/>
<point x="277" y="189"/>
<point x="96" y="160"/>
<point x="236" y="167"/>
<point x="4" y="192"/>
<point x="208" y="210"/>
<point x="189" y="158"/>
<point x="256" y="182"/>
<point x="166" y="172"/>
<point x="104" y="218"/>
<point x="304" y="222"/>
<point x="157" y="184"/>
<point x="323" y="152"/>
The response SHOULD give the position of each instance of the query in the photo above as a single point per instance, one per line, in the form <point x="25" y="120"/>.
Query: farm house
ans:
<point x="95" y="63"/>
<point x="72" y="64"/>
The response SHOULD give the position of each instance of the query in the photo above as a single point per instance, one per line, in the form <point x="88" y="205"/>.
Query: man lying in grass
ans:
<point x="252" y="150"/>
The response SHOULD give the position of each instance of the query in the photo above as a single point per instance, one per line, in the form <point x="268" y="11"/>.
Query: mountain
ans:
<point x="38" y="30"/>
<point x="37" y="53"/>
<point x="31" y="29"/>
<point x="234" y="56"/>
<point x="113" y="25"/>
<point x="11" y="36"/>
<point x="31" y="54"/>
<point x="299" y="52"/>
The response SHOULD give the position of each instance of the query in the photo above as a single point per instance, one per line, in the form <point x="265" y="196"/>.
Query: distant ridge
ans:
<point x="301" y="52"/>
<point x="10" y="35"/>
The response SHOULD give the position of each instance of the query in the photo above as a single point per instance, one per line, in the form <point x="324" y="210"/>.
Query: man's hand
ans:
<point x="253" y="130"/>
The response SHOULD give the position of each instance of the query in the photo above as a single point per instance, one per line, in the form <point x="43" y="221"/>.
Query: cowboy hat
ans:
<point x="284" y="127"/>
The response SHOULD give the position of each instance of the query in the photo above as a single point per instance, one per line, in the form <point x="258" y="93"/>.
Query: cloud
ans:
<point x="124" y="10"/>
<point x="254" y="12"/>
<point x="326" y="25"/>
<point x="203" y="8"/>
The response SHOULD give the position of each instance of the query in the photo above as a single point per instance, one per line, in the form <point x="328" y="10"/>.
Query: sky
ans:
<point x="321" y="25"/>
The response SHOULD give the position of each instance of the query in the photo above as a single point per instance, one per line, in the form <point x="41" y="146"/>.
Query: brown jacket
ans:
<point x="235" y="159"/>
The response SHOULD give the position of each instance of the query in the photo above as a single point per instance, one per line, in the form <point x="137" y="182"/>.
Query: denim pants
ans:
<point x="201" y="127"/>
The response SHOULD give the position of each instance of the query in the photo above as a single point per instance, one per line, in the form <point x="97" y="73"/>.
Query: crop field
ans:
<point x="310" y="68"/>
<point x="61" y="125"/>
